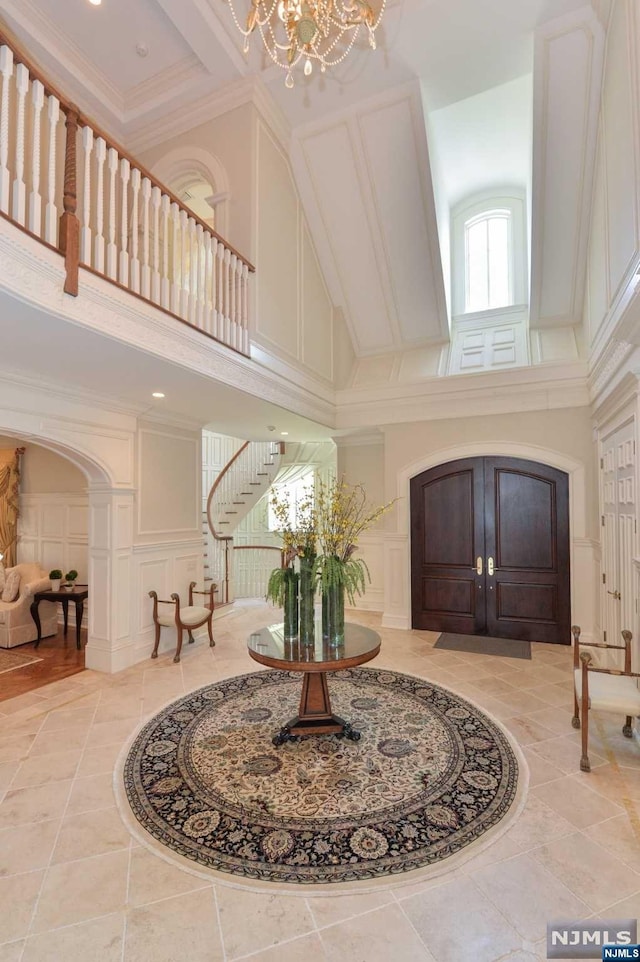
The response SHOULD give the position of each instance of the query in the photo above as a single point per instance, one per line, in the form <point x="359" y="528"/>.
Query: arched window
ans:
<point x="489" y="253"/>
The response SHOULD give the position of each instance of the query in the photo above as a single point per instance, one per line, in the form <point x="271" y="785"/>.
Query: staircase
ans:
<point x="237" y="489"/>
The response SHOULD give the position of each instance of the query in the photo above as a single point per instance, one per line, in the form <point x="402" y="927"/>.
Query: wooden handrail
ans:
<point x="215" y="486"/>
<point x="82" y="119"/>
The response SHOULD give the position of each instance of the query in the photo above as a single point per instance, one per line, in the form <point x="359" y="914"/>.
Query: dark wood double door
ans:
<point x="490" y="549"/>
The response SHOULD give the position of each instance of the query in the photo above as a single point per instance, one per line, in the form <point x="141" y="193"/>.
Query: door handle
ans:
<point x="490" y="566"/>
<point x="616" y="595"/>
<point x="479" y="565"/>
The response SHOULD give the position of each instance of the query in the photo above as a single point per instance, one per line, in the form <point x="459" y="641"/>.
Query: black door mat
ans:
<point x="484" y="645"/>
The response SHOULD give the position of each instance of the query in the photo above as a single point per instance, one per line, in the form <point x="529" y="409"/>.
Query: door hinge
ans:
<point x="604" y="578"/>
<point x="605" y="635"/>
<point x="602" y="518"/>
<point x="601" y="463"/>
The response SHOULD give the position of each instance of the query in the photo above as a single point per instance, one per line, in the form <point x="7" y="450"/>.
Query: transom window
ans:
<point x="487" y="261"/>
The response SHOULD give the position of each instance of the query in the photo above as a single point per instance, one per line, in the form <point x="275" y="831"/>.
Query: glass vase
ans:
<point x="290" y="604"/>
<point x="333" y="615"/>
<point x="307" y="597"/>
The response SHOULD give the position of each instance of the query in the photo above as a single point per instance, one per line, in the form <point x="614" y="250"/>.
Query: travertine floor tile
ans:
<point x="307" y="949"/>
<point x="90" y="833"/>
<point x="329" y="910"/>
<point x="378" y="937"/>
<point x="91" y="792"/>
<point x="274" y="918"/>
<point x="181" y="928"/>
<point x="78" y="891"/>
<point x="27" y="847"/>
<point x="152" y="879"/>
<point x="34" y="804"/>
<point x="592" y="873"/>
<point x="479" y="932"/>
<point x="99" y="940"/>
<point x="40" y="769"/>
<point x="11" y="951"/>
<point x="527" y="895"/>
<point x="18" y="895"/>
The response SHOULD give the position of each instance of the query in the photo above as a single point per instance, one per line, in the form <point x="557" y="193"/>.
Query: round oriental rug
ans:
<point x="429" y="776"/>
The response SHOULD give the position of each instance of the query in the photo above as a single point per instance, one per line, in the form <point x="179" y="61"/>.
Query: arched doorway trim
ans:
<point x="189" y="162"/>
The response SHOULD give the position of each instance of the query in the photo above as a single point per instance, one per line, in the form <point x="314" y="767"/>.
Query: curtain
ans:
<point x="9" y="504"/>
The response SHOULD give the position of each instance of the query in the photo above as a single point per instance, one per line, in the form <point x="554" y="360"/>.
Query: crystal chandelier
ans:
<point x="321" y="30"/>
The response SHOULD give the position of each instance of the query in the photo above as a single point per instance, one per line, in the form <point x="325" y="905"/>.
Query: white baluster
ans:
<point x="193" y="271"/>
<point x="214" y="286"/>
<point x="112" y="250"/>
<point x="156" y="197"/>
<point x="125" y="175"/>
<point x="6" y="68"/>
<point x="19" y="187"/>
<point x="146" y="269"/>
<point x="220" y="297"/>
<point x="233" y="260"/>
<point x="184" y="264"/>
<point x="165" y="299"/>
<point x="98" y="242"/>
<point x="207" y="322"/>
<point x="245" y="309"/>
<point x="35" y="200"/>
<point x="51" y="211"/>
<point x="199" y="290"/>
<point x="135" y="200"/>
<point x="85" y="231"/>
<point x="175" y="250"/>
<point x="227" y="297"/>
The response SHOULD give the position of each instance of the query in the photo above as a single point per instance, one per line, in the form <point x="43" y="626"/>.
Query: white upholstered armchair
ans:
<point x="17" y="627"/>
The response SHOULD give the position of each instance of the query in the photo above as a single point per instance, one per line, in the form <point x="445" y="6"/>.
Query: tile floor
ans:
<point x="74" y="885"/>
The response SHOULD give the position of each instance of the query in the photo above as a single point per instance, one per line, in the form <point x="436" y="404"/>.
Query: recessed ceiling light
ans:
<point x="96" y="3"/>
<point x="155" y="393"/>
<point x="284" y="432"/>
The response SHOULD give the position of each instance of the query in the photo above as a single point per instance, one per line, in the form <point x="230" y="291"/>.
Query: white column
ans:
<point x="110" y="644"/>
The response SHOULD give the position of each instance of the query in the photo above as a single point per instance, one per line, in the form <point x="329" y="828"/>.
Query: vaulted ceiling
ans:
<point x="461" y="96"/>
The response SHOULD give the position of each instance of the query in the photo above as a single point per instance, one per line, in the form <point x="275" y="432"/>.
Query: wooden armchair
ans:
<point x="193" y="616"/>
<point x="602" y="689"/>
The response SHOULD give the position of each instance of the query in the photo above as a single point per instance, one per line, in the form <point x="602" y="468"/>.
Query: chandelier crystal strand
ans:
<point x="308" y="30"/>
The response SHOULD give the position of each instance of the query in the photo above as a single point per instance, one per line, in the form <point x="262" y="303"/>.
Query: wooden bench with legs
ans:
<point x="184" y="619"/>
<point x="602" y="689"/>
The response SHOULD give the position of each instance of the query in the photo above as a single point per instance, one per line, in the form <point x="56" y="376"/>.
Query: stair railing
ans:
<point x="104" y="211"/>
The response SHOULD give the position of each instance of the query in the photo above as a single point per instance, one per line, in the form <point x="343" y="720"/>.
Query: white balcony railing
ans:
<point x="67" y="183"/>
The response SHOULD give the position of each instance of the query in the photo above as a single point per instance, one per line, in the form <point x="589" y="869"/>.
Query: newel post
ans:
<point x="69" y="238"/>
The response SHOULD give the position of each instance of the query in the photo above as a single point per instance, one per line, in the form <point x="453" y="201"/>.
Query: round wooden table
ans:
<point x="269" y="647"/>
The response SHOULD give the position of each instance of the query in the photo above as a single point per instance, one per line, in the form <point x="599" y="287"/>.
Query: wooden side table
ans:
<point x="315" y="716"/>
<point x="78" y="594"/>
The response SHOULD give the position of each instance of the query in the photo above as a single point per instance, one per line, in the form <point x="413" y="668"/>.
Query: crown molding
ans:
<point x="544" y="387"/>
<point x="162" y="86"/>
<point x="211" y="104"/>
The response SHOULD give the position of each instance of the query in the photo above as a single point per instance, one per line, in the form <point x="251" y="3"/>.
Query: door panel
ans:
<point x="527" y="535"/>
<point x="507" y="510"/>
<point x="446" y="538"/>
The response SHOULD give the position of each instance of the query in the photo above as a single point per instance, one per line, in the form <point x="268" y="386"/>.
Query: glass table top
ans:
<point x="270" y="642"/>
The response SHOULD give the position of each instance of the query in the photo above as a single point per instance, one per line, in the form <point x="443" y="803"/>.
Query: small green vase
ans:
<point x="290" y="604"/>
<point x="307" y="598"/>
<point x="333" y="615"/>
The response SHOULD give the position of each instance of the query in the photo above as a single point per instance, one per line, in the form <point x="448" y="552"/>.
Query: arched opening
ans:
<point x="52" y="535"/>
<point x="200" y="181"/>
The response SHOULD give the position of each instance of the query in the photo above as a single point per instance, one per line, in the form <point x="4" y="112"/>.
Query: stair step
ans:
<point x="231" y="512"/>
<point x="238" y="502"/>
<point x="247" y="493"/>
<point x="260" y="474"/>
<point x="255" y="483"/>
<point x="224" y="522"/>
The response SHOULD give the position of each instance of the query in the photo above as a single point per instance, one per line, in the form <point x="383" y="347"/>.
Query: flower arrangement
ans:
<point x="343" y="513"/>
<point x="298" y="531"/>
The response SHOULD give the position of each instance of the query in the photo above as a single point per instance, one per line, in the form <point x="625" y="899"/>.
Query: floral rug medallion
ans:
<point x="430" y="775"/>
